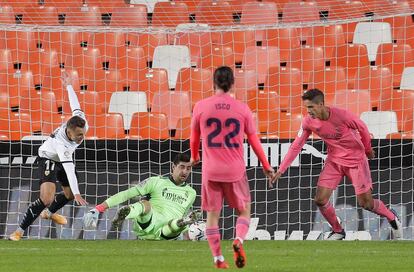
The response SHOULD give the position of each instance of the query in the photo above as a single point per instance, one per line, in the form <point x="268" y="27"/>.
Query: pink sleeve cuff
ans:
<point x="100" y="208"/>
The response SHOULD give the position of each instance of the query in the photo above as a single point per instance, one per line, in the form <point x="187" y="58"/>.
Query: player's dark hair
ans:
<point x="224" y="78"/>
<point x="314" y="95"/>
<point x="182" y="157"/>
<point x="76" y="121"/>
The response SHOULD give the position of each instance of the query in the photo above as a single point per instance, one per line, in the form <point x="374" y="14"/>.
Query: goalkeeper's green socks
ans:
<point x="172" y="229"/>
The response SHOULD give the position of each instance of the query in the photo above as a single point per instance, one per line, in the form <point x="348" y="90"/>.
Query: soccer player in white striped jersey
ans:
<point x="56" y="164"/>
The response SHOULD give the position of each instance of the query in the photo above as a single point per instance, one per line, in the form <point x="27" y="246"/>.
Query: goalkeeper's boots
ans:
<point x="56" y="218"/>
<point x="221" y="264"/>
<point x="192" y="217"/>
<point x="239" y="254"/>
<point x="396" y="227"/>
<point x="16" y="235"/>
<point x="336" y="235"/>
<point x="120" y="216"/>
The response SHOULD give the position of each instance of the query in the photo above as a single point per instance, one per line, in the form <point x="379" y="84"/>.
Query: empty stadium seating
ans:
<point x="143" y="83"/>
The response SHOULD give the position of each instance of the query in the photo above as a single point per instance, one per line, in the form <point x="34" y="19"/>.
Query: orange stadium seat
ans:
<point x="153" y="81"/>
<point x="287" y="83"/>
<point x="106" y="126"/>
<point x="19" y="88"/>
<point x="378" y="80"/>
<point x="134" y="16"/>
<point x="106" y="6"/>
<point x="286" y="39"/>
<point x="352" y="57"/>
<point x="197" y="82"/>
<point x="214" y="13"/>
<point x="259" y="13"/>
<point x="268" y="111"/>
<point x="63" y="3"/>
<point x="218" y="56"/>
<point x="295" y="11"/>
<point x="48" y="126"/>
<point x="348" y="10"/>
<point x="395" y="57"/>
<point x="90" y="16"/>
<point x="289" y="125"/>
<point x="261" y="59"/>
<point x="39" y="105"/>
<point x="149" y="125"/>
<point x="401" y="136"/>
<point x="329" y="37"/>
<point x="40" y="15"/>
<point x="66" y="42"/>
<point x="329" y="80"/>
<point x="6" y="61"/>
<point x="399" y="22"/>
<point x="308" y="60"/>
<point x="199" y="44"/>
<point x="131" y="64"/>
<point x="110" y="45"/>
<point x="86" y="63"/>
<point x="406" y="34"/>
<point x="238" y="41"/>
<point x="147" y="41"/>
<point x="18" y="5"/>
<point x="402" y="102"/>
<point x="191" y="5"/>
<point x="4" y="101"/>
<point x="175" y="105"/>
<point x="89" y="101"/>
<point x="356" y="101"/>
<point x="7" y="15"/>
<point x="21" y="44"/>
<point x="183" y="129"/>
<point x="105" y="83"/>
<point x="245" y="81"/>
<point x="43" y="63"/>
<point x="16" y="125"/>
<point x="170" y="14"/>
<point x="87" y="16"/>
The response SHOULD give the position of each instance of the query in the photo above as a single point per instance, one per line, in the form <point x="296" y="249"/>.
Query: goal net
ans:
<point x="138" y="68"/>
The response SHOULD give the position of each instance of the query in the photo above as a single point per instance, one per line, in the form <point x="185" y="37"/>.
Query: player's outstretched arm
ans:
<point x="195" y="138"/>
<point x="73" y="182"/>
<point x="258" y="150"/>
<point x="294" y="150"/>
<point x="73" y="98"/>
<point x="90" y="220"/>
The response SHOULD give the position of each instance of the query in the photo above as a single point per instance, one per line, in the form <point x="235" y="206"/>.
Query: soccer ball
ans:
<point x="197" y="231"/>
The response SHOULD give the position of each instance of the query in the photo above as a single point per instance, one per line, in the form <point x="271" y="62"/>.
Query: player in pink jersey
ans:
<point x="222" y="122"/>
<point x="349" y="146"/>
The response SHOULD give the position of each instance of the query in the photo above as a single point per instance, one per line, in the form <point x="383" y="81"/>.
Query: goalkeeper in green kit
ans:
<point x="165" y="215"/>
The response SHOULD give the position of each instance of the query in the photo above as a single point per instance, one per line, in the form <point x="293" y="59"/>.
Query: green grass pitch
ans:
<point x="118" y="255"/>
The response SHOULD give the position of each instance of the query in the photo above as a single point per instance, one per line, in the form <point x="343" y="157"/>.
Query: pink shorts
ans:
<point x="360" y="176"/>
<point x="237" y="194"/>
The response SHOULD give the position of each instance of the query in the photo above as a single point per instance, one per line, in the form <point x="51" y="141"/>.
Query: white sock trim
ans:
<point x="219" y="258"/>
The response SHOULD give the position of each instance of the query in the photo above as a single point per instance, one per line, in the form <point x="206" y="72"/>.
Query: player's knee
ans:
<point x="47" y="199"/>
<point x="319" y="201"/>
<point x="68" y="194"/>
<point x="367" y="205"/>
<point x="147" y="206"/>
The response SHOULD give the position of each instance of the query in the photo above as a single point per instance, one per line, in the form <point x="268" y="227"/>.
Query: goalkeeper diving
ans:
<point x="167" y="212"/>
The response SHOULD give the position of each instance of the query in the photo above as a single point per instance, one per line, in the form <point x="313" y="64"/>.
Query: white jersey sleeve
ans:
<point x="71" y="175"/>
